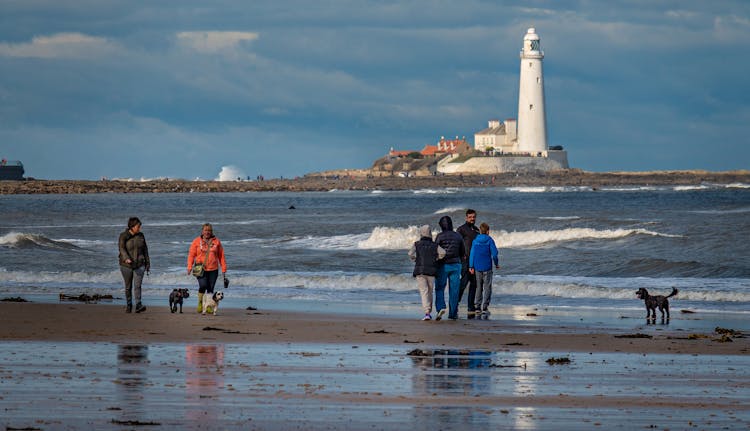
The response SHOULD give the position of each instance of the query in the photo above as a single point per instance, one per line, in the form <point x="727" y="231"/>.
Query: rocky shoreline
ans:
<point x="315" y="182"/>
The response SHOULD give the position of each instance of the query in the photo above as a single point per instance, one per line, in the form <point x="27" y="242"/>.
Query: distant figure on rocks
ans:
<point x="449" y="269"/>
<point x="134" y="262"/>
<point x="425" y="253"/>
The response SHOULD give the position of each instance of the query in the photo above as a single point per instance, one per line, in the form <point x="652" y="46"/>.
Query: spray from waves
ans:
<point x="30" y="240"/>
<point x="561" y="218"/>
<point x="230" y="173"/>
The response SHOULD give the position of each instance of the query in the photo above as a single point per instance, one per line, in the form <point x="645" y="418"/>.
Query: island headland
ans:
<point x="355" y="180"/>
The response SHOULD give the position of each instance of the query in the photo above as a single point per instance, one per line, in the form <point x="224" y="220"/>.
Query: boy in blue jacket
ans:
<point x="483" y="254"/>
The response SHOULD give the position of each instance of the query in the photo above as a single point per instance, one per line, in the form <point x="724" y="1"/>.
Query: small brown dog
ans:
<point x="654" y="302"/>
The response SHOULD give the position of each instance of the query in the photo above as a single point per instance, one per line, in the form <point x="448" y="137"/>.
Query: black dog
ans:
<point x="652" y="302"/>
<point x="176" y="297"/>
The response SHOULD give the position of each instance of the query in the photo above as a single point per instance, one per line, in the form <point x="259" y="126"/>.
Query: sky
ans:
<point x="195" y="89"/>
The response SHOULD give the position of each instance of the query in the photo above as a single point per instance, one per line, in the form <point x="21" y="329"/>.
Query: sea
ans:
<point x="561" y="248"/>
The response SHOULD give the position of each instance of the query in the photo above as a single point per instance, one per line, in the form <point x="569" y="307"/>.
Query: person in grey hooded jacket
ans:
<point x="425" y="253"/>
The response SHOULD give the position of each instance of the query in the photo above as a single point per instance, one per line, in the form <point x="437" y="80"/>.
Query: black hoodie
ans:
<point x="451" y="241"/>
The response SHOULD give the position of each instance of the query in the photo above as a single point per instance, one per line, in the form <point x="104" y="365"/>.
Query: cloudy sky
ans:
<point x="145" y="89"/>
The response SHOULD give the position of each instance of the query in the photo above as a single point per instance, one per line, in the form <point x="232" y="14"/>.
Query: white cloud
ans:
<point x="732" y="28"/>
<point x="60" y="45"/>
<point x="214" y="41"/>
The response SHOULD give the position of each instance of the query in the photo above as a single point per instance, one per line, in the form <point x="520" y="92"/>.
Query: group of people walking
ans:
<point x="205" y="253"/>
<point x="459" y="259"/>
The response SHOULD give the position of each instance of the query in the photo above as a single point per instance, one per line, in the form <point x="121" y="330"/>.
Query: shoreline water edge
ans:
<point x="343" y="181"/>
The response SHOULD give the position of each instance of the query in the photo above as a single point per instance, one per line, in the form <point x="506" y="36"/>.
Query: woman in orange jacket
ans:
<point x="206" y="250"/>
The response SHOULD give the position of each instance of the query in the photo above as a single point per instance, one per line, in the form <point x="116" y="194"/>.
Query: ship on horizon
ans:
<point x="11" y="170"/>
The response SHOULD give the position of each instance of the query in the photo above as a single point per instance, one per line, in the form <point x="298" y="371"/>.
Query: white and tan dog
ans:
<point x="212" y="301"/>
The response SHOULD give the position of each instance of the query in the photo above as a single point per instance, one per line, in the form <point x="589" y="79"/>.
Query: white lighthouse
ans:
<point x="532" y="121"/>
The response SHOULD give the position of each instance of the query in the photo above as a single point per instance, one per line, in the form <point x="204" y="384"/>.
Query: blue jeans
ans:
<point x="451" y="273"/>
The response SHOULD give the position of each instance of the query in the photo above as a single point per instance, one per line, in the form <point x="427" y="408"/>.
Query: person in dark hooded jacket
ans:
<point x="449" y="269"/>
<point x="134" y="262"/>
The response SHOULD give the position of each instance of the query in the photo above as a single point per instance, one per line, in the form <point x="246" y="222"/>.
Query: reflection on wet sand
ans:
<point x="338" y="387"/>
<point x="204" y="379"/>
<point x="452" y="373"/>
<point x="132" y="366"/>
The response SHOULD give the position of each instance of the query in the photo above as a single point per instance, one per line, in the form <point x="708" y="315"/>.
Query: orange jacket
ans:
<point x="197" y="254"/>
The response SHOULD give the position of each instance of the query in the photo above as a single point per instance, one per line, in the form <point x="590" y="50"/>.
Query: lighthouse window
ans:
<point x="530" y="64"/>
<point x="537" y="80"/>
<point x="531" y="107"/>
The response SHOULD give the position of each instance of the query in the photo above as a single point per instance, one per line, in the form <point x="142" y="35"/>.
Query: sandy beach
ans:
<point x="76" y="366"/>
<point x="108" y="323"/>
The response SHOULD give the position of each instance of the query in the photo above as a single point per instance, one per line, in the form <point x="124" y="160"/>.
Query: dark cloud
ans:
<point x="148" y="89"/>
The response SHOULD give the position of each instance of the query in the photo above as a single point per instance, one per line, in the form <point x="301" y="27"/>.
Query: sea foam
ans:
<point x="319" y="285"/>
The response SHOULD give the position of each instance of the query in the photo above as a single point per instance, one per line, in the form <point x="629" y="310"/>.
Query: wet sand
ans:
<point x="108" y="323"/>
<point x="91" y="366"/>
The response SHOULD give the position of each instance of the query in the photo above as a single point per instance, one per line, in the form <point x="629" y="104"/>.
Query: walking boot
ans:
<point x="129" y="308"/>
<point x="140" y="308"/>
<point x="200" y="302"/>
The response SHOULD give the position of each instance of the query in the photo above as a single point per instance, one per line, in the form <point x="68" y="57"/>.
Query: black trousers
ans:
<point x="467" y="279"/>
<point x="207" y="281"/>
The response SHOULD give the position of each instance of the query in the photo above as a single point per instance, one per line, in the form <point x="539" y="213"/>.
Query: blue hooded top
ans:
<point x="483" y="253"/>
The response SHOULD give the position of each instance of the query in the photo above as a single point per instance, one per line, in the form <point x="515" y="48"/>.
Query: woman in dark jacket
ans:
<point x="449" y="270"/>
<point x="134" y="262"/>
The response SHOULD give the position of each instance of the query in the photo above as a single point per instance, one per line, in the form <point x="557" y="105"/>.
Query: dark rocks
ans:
<point x="319" y="182"/>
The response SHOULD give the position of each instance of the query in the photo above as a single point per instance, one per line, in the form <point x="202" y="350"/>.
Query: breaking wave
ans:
<point x="536" y="238"/>
<point x="396" y="238"/>
<point x="448" y="210"/>
<point x="445" y="191"/>
<point x="30" y="240"/>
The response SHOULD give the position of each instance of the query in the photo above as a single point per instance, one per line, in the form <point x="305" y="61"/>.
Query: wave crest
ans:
<point x="30" y="240"/>
<point x="402" y="238"/>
